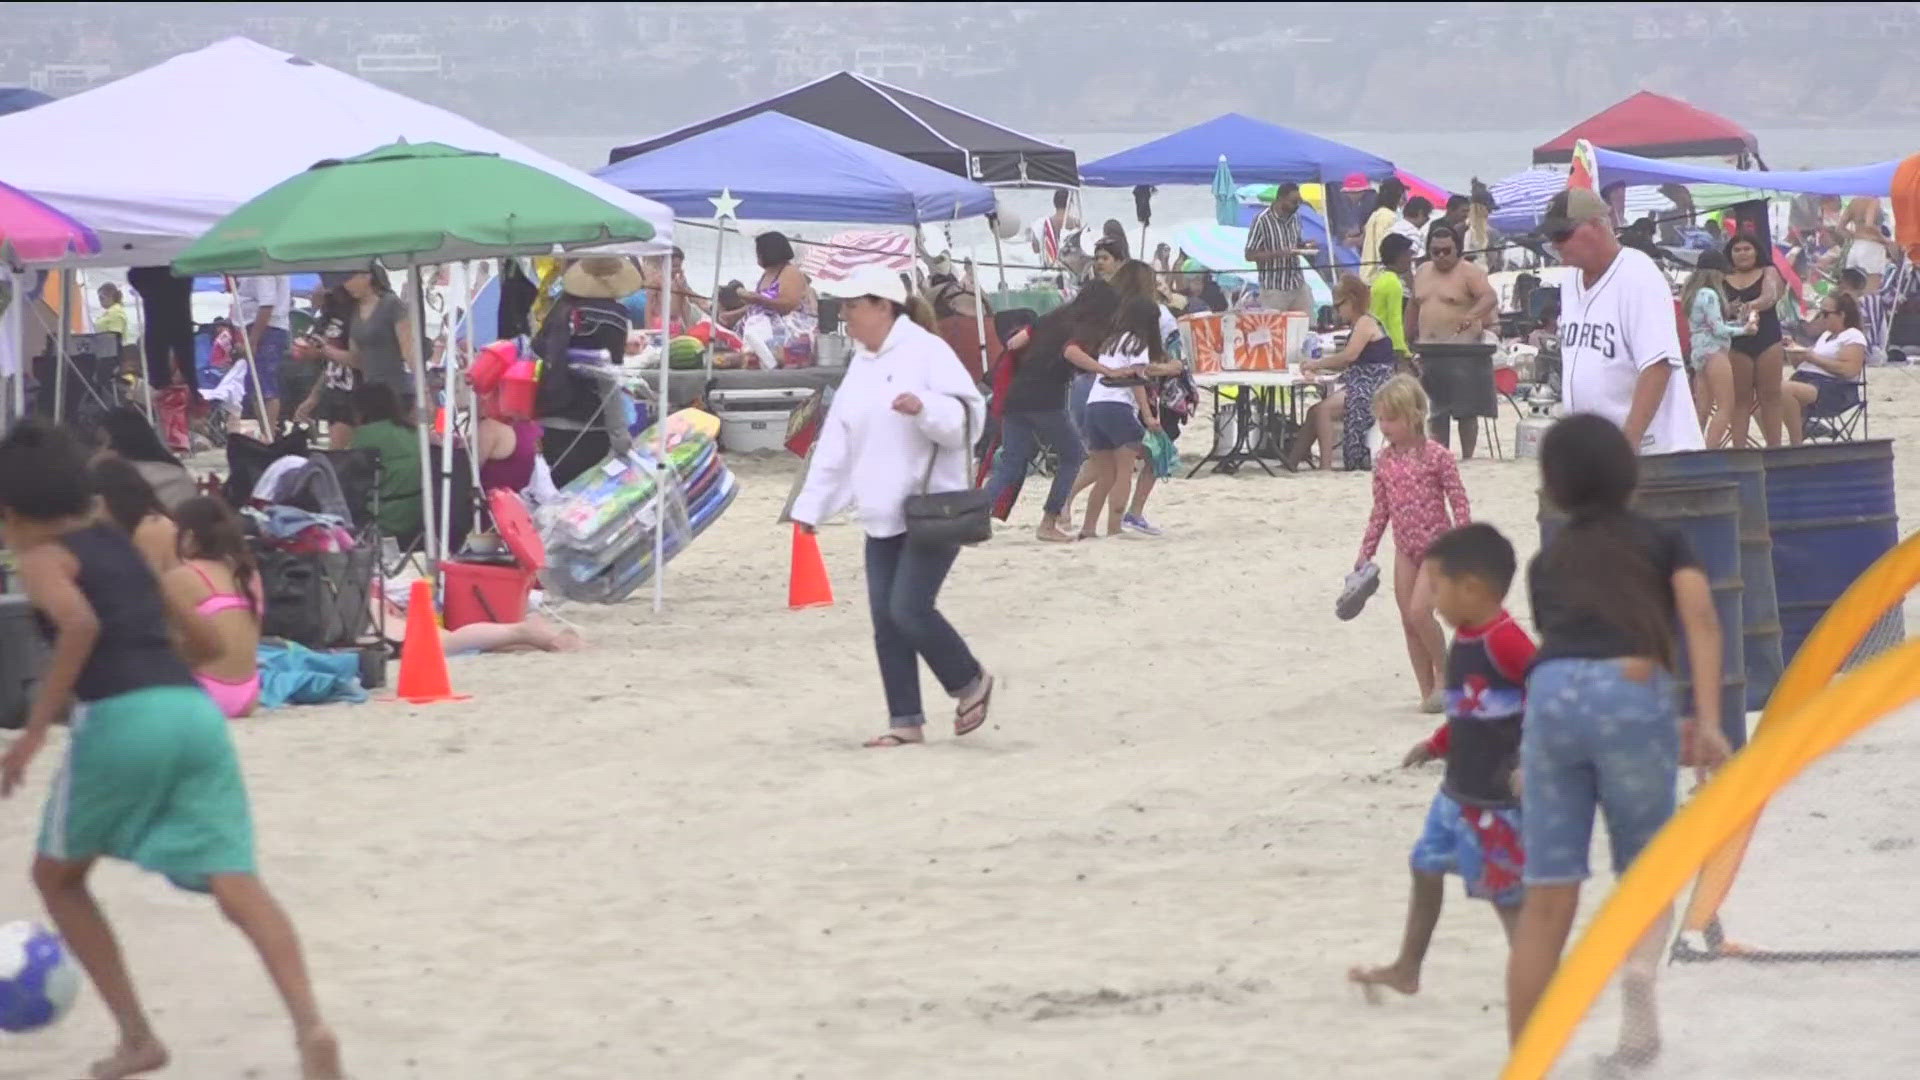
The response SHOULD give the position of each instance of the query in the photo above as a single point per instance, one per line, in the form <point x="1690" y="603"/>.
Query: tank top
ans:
<point x="515" y="471"/>
<point x="1377" y="351"/>
<point x="133" y="651"/>
<point x="1768" y="328"/>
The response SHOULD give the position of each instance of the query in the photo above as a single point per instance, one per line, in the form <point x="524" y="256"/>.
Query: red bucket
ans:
<point x="483" y="592"/>
<point x="516" y="390"/>
<point x="492" y="365"/>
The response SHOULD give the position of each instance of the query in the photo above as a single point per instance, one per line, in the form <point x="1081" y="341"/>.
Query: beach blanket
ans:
<point x="292" y="674"/>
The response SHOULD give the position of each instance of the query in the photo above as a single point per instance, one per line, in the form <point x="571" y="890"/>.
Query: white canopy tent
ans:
<point x="196" y="136"/>
<point x="193" y="137"/>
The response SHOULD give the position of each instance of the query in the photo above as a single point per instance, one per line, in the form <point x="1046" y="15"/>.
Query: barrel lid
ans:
<point x="517" y="531"/>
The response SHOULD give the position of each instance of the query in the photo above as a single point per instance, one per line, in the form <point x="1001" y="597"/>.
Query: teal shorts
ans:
<point x="151" y="777"/>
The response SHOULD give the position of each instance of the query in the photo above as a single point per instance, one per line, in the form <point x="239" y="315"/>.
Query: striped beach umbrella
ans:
<point x="844" y="252"/>
<point x="1521" y="199"/>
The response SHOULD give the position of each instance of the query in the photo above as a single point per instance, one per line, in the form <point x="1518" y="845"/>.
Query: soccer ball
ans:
<point x="38" y="978"/>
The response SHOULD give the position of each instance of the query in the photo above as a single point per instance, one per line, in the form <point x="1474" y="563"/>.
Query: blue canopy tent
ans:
<point x="772" y="167"/>
<point x="1619" y="168"/>
<point x="1258" y="152"/>
<point x="782" y="169"/>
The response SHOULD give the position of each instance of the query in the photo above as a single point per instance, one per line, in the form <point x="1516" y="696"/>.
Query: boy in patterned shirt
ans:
<point x="1473" y="824"/>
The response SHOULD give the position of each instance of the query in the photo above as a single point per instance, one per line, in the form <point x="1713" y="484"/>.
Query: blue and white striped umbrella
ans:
<point x="1521" y="199"/>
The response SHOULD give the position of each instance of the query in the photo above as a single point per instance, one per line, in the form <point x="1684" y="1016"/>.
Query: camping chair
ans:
<point x="1847" y="425"/>
<point x="413" y="546"/>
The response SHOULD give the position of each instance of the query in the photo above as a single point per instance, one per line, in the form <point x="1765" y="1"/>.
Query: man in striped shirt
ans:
<point x="1272" y="244"/>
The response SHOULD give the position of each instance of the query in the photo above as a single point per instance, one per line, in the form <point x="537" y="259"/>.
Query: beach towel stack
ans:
<point x="599" y="533"/>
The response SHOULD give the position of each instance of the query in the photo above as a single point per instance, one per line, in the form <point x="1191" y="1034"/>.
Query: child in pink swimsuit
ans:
<point x="1414" y="483"/>
<point x="212" y="547"/>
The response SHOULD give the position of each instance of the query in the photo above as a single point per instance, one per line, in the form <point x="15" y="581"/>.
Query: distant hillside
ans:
<point x="1048" y="66"/>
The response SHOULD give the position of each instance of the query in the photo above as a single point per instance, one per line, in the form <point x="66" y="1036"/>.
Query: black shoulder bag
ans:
<point x="950" y="518"/>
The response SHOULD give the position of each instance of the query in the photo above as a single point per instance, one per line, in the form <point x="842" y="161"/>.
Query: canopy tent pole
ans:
<point x="246" y="353"/>
<point x="146" y="375"/>
<point x="473" y="396"/>
<point x="420" y="409"/>
<point x="456" y="284"/>
<point x="999" y="256"/>
<point x="60" y="349"/>
<point x="980" y="320"/>
<point x="713" y="301"/>
<point x="663" y="470"/>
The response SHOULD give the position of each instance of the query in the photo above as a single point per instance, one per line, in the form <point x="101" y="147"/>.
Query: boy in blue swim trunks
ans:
<point x="150" y="776"/>
<point x="1473" y="824"/>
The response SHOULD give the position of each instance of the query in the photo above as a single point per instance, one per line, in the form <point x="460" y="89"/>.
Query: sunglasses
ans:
<point x="1829" y="311"/>
<point x="1562" y="234"/>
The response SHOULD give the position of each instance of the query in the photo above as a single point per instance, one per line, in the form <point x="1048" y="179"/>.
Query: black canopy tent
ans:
<point x="907" y="124"/>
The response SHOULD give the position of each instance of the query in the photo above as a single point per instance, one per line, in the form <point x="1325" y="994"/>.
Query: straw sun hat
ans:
<point x="602" y="277"/>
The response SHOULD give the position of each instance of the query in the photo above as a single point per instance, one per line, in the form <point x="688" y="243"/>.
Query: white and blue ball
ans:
<point x="38" y="977"/>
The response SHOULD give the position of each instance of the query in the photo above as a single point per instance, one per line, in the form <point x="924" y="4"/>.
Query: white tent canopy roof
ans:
<point x="153" y="160"/>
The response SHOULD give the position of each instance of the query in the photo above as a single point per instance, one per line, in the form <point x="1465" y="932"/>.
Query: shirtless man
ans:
<point x="1869" y="249"/>
<point x="1452" y="304"/>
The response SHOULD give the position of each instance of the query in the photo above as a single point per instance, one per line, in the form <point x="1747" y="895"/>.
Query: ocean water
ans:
<point x="1447" y="158"/>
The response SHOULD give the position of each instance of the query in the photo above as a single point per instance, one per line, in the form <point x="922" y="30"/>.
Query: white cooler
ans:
<point x="755" y="421"/>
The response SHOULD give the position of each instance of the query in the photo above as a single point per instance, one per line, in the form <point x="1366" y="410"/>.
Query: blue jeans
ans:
<point x="1021" y="436"/>
<point x="1594" y="738"/>
<point x="903" y="581"/>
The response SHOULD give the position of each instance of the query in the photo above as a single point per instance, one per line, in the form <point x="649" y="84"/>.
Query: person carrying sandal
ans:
<point x="900" y="426"/>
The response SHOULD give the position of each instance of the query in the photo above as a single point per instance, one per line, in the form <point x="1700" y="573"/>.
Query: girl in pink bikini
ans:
<point x="217" y="578"/>
<point x="1414" y="483"/>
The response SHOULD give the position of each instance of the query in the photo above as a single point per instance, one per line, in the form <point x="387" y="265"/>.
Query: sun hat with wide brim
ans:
<point x="602" y="277"/>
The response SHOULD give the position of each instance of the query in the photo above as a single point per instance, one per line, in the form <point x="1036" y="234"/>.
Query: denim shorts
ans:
<point x="1595" y="738"/>
<point x="1113" y="426"/>
<point x="1482" y="846"/>
<point x="1831" y="396"/>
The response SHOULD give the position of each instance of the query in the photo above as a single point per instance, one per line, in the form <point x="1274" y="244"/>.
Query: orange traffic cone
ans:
<point x="807" y="584"/>
<point x="423" y="663"/>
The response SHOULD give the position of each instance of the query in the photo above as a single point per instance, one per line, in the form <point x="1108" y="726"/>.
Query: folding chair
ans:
<point x="1848" y="425"/>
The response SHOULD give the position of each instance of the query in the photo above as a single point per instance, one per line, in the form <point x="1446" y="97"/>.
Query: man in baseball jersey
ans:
<point x="1619" y="341"/>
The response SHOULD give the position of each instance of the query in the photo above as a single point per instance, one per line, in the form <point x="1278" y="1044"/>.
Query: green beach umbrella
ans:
<point x="408" y="204"/>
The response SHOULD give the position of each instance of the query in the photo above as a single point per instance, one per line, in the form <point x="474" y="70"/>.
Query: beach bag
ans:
<point x="950" y="518"/>
<point x="1161" y="451"/>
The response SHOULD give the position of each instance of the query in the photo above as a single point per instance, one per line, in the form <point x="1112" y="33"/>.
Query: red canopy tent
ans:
<point x="1654" y="125"/>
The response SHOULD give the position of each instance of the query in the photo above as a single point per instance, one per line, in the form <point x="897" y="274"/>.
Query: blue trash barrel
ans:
<point x="1707" y="513"/>
<point x="1759" y="607"/>
<point x="1832" y="509"/>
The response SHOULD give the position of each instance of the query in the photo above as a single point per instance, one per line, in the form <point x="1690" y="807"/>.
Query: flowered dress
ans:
<point x="1360" y="381"/>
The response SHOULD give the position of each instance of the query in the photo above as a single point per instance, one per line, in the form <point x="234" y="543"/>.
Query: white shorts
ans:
<point x="1867" y="257"/>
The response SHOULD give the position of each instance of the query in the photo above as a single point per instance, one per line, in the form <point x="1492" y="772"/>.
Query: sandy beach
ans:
<point x="667" y="856"/>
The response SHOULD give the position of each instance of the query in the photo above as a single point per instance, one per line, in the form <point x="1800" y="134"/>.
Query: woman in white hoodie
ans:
<point x="906" y="400"/>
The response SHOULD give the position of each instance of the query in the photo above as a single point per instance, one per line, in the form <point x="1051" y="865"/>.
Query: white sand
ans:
<point x="667" y="857"/>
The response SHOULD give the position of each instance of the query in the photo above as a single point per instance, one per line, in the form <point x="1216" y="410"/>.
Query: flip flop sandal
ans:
<point x="978" y="709"/>
<point x="1357" y="590"/>
<point x="889" y="741"/>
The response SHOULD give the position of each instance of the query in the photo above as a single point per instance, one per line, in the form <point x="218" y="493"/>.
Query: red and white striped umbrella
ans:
<point x="844" y="252"/>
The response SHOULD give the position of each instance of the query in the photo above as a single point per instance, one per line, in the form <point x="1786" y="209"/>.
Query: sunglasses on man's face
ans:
<point x="1829" y="311"/>
<point x="1562" y="234"/>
